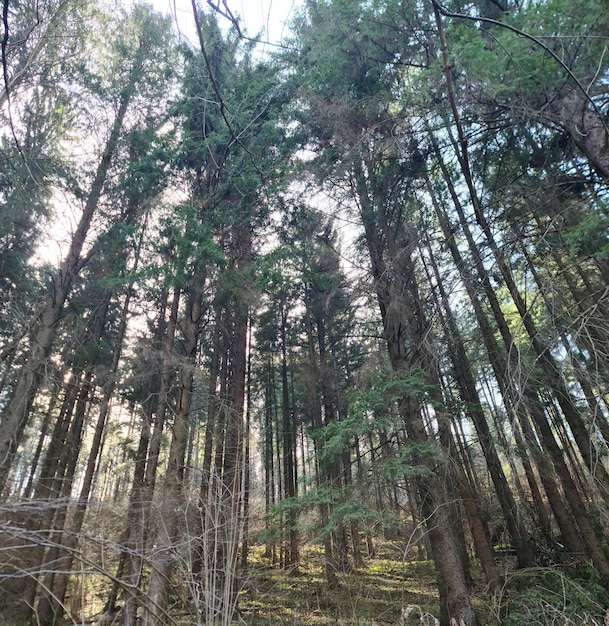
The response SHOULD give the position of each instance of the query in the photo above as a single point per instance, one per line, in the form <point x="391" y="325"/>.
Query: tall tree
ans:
<point x="359" y="79"/>
<point x="138" y="44"/>
<point x="227" y="162"/>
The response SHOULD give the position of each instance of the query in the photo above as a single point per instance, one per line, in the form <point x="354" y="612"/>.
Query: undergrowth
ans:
<point x="563" y="596"/>
<point x="382" y="592"/>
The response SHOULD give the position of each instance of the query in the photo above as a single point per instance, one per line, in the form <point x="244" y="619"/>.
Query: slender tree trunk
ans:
<point x="47" y="611"/>
<point x="129" y="569"/>
<point x="44" y="430"/>
<point x="58" y="590"/>
<point x="161" y="409"/>
<point x="552" y="375"/>
<point x="591" y="456"/>
<point x="28" y="380"/>
<point x="403" y="322"/>
<point x="289" y="444"/>
<point x="269" y="465"/>
<point x="321" y="475"/>
<point x="232" y="470"/>
<point x="556" y="383"/>
<point x="247" y="454"/>
<point x="172" y="502"/>
<point x="61" y="454"/>
<point x="214" y="405"/>
<point x="48" y="483"/>
<point x="469" y="394"/>
<point x="508" y="377"/>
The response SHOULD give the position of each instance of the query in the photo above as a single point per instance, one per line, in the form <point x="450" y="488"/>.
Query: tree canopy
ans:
<point x="347" y="291"/>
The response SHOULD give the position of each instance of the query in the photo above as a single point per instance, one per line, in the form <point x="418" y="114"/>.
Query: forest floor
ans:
<point x="386" y="590"/>
<point x="391" y="591"/>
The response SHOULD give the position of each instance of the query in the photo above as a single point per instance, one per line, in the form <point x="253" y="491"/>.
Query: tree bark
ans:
<point x="405" y="334"/>
<point x="469" y="394"/>
<point x="289" y="444"/>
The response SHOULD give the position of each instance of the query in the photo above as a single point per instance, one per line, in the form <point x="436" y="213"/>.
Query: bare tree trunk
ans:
<point x="508" y="378"/>
<point x="133" y="539"/>
<point x="586" y="126"/>
<point x="469" y="394"/>
<point x="172" y="502"/>
<point x="550" y="371"/>
<point x="232" y="469"/>
<point x="268" y="455"/>
<point x="592" y="455"/>
<point x="44" y="431"/>
<point x="161" y="409"/>
<point x="247" y="454"/>
<point x="213" y="409"/>
<point x="56" y="591"/>
<point x="49" y="608"/>
<point x="54" y="482"/>
<point x="289" y="446"/>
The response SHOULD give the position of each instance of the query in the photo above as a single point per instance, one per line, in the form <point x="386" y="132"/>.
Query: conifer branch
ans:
<point x="521" y="33"/>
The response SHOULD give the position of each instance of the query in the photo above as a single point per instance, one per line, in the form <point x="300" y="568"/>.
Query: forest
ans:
<point x="313" y="331"/>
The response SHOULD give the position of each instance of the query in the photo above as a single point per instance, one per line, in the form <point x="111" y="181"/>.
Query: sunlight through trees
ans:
<point x="319" y="300"/>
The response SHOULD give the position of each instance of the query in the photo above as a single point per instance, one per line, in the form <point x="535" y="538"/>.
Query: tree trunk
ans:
<point x="172" y="502"/>
<point x="586" y="126"/>
<point x="289" y="445"/>
<point x="128" y="572"/>
<point x="247" y="454"/>
<point x="509" y="380"/>
<point x="17" y="410"/>
<point x="56" y="593"/>
<point x="402" y="322"/>
<point x="469" y="394"/>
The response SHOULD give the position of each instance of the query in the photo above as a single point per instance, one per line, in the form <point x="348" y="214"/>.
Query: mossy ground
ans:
<point x="381" y="591"/>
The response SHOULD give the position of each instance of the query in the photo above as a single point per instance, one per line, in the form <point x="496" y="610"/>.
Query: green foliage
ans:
<point x="31" y="165"/>
<point x="508" y="68"/>
<point x="571" y="596"/>
<point x="144" y="171"/>
<point x="516" y="69"/>
<point x="411" y="460"/>
<point x="342" y="508"/>
<point x="353" y="511"/>
<point x="589" y="238"/>
<point x="291" y="510"/>
<point x="277" y="270"/>
<point x="338" y="436"/>
<point x="384" y="388"/>
<point x="351" y="62"/>
<point x="232" y="143"/>
<point x="184" y="242"/>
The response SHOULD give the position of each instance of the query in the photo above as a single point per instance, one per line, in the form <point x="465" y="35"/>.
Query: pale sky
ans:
<point x="265" y="17"/>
